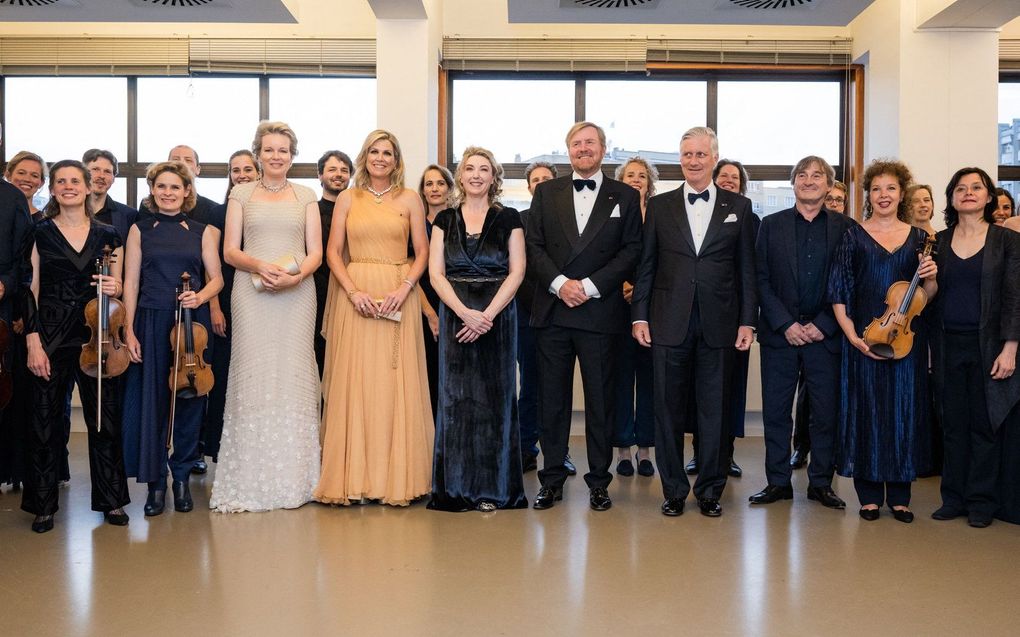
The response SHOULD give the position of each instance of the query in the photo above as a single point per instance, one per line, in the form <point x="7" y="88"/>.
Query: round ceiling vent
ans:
<point x="612" y="4"/>
<point x="771" y="4"/>
<point x="178" y="3"/>
<point x="28" y="3"/>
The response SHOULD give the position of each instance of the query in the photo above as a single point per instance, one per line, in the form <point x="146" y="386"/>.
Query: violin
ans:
<point x="104" y="355"/>
<point x="192" y="376"/>
<point x="6" y="382"/>
<point x="890" y="335"/>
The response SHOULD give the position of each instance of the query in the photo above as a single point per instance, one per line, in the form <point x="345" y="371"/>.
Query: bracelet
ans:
<point x="409" y="284"/>
<point x="352" y="293"/>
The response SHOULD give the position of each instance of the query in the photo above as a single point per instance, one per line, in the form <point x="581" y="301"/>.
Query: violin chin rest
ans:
<point x="187" y="392"/>
<point x="882" y="350"/>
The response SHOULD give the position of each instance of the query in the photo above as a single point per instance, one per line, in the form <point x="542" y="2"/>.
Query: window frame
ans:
<point x="1006" y="172"/>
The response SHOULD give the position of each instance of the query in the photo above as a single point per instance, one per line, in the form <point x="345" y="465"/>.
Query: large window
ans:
<point x="768" y="124"/>
<point x="1009" y="133"/>
<point x="141" y="119"/>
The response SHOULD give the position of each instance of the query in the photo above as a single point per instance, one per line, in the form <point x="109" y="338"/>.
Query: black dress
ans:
<point x="477" y="451"/>
<point x="65" y="287"/>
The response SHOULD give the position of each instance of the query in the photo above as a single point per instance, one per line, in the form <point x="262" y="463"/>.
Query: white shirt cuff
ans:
<point x="590" y="289"/>
<point x="557" y="283"/>
<point x="636" y="322"/>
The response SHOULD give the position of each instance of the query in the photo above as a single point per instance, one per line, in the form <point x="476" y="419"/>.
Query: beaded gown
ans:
<point x="269" y="453"/>
<point x="377" y="418"/>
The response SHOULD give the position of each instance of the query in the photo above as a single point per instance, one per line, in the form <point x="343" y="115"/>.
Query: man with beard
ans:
<point x="335" y="169"/>
<point x="103" y="169"/>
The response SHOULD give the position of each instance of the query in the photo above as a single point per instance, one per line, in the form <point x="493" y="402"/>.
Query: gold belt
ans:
<point x="379" y="261"/>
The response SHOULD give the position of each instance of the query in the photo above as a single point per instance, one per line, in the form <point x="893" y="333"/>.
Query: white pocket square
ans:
<point x="615" y="212"/>
<point x="730" y="218"/>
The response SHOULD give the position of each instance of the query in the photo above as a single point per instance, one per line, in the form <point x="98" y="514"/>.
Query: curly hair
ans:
<point x="176" y="168"/>
<point x="893" y="168"/>
<point x="495" y="188"/>
<point x="650" y="169"/>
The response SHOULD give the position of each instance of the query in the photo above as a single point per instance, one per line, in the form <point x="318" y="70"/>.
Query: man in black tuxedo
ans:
<point x="583" y="239"/>
<point x="795" y="249"/>
<point x="103" y="169"/>
<point x="694" y="302"/>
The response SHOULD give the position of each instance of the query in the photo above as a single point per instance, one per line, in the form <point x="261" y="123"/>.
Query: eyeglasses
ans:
<point x="831" y="199"/>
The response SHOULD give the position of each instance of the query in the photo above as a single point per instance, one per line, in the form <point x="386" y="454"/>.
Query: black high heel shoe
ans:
<point x="117" y="517"/>
<point x="155" y="503"/>
<point x="42" y="523"/>
<point x="182" y="497"/>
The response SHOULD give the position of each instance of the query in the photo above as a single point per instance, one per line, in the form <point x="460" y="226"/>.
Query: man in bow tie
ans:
<point x="695" y="304"/>
<point x="583" y="240"/>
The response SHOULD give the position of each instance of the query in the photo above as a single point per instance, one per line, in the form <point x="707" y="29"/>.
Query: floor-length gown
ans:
<point x="269" y="453"/>
<point x="883" y="404"/>
<point x="478" y="444"/>
<point x="377" y="419"/>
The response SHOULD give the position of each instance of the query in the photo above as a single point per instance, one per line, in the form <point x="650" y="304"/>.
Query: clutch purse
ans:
<point x="392" y="316"/>
<point x="288" y="263"/>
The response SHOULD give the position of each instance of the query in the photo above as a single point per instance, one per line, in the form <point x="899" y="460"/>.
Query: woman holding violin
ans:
<point x="884" y="399"/>
<point x="160" y="249"/>
<point x="66" y="244"/>
<point x="975" y="330"/>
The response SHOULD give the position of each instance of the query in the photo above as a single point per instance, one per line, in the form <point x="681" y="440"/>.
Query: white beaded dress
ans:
<point x="269" y="455"/>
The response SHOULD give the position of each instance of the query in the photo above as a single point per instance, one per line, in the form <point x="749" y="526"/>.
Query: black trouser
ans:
<point x="780" y="369"/>
<point x="47" y="446"/>
<point x="527" y="400"/>
<point x="892" y="493"/>
<point x="972" y="451"/>
<point x="558" y="348"/>
<point x="802" y="418"/>
<point x="677" y="370"/>
<point x="212" y="424"/>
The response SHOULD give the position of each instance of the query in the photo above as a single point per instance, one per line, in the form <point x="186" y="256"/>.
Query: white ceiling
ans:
<point x="762" y="12"/>
<point x="212" y="11"/>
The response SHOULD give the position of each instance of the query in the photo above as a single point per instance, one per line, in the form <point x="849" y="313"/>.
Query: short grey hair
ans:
<point x="539" y="164"/>
<point x="703" y="131"/>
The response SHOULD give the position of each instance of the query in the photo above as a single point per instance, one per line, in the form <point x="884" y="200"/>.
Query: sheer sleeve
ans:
<point x="841" y="275"/>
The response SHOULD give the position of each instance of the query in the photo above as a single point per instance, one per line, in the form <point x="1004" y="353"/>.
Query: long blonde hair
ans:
<point x="361" y="178"/>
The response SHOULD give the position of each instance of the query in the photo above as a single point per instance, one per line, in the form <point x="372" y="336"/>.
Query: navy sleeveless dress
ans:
<point x="478" y="448"/>
<point x="170" y="246"/>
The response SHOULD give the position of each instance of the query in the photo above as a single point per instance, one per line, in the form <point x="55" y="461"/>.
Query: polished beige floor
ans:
<point x="784" y="569"/>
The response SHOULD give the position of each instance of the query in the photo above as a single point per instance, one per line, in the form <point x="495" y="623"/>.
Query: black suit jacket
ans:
<point x="778" y="294"/>
<point x="671" y="273"/>
<point x="525" y="296"/>
<point x="1000" y="315"/>
<point x="122" y="217"/>
<point x="606" y="253"/>
<point x="14" y="223"/>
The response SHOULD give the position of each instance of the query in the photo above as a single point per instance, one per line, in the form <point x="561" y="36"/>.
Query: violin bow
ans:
<point x="173" y="389"/>
<point x="99" y="340"/>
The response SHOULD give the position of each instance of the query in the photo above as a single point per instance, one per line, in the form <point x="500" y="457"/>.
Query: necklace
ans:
<point x="274" y="188"/>
<point x="69" y="226"/>
<point x="379" y="195"/>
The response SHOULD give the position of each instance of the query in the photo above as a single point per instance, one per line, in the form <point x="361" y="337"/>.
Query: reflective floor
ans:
<point x="783" y="569"/>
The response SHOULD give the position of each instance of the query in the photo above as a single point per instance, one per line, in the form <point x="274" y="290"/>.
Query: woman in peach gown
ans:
<point x="377" y="418"/>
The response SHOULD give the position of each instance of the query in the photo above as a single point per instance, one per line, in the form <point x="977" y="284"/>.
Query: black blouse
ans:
<point x="489" y="256"/>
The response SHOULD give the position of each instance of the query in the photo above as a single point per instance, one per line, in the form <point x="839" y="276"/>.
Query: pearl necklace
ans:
<point x="274" y="189"/>
<point x="379" y="195"/>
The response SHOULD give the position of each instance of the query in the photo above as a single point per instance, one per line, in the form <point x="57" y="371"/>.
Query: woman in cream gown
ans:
<point x="269" y="454"/>
<point x="377" y="420"/>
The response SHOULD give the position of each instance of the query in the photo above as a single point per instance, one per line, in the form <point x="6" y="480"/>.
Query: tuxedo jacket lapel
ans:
<point x="682" y="222"/>
<point x="564" y="207"/>
<point x="722" y="209"/>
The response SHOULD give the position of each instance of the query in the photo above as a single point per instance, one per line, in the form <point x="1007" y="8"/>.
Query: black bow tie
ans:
<point x="692" y="197"/>
<point x="579" y="184"/>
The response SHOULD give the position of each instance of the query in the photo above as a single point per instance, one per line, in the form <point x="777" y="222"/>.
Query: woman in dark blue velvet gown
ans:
<point x="476" y="265"/>
<point x="161" y="247"/>
<point x="883" y="403"/>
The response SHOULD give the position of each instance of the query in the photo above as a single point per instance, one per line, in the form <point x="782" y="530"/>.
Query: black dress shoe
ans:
<point x="568" y="464"/>
<point x="155" y="503"/>
<point x="826" y="497"/>
<point x="546" y="498"/>
<point x="200" y="467"/>
<point x="735" y="470"/>
<point x="645" y="468"/>
<point x="599" y="499"/>
<point x="692" y="466"/>
<point x="799" y="458"/>
<point x="625" y="468"/>
<point x="673" y="507"/>
<point x="772" y="493"/>
<point x="529" y="462"/>
<point x="710" y="507"/>
<point x="182" y="497"/>
<point x="946" y="512"/>
<point x="902" y="515"/>
<point x="869" y="514"/>
<point x="42" y="523"/>
<point x="978" y="521"/>
<point x="117" y="517"/>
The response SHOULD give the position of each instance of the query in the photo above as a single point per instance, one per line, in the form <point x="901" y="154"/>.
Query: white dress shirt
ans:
<point x="699" y="213"/>
<point x="584" y="203"/>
